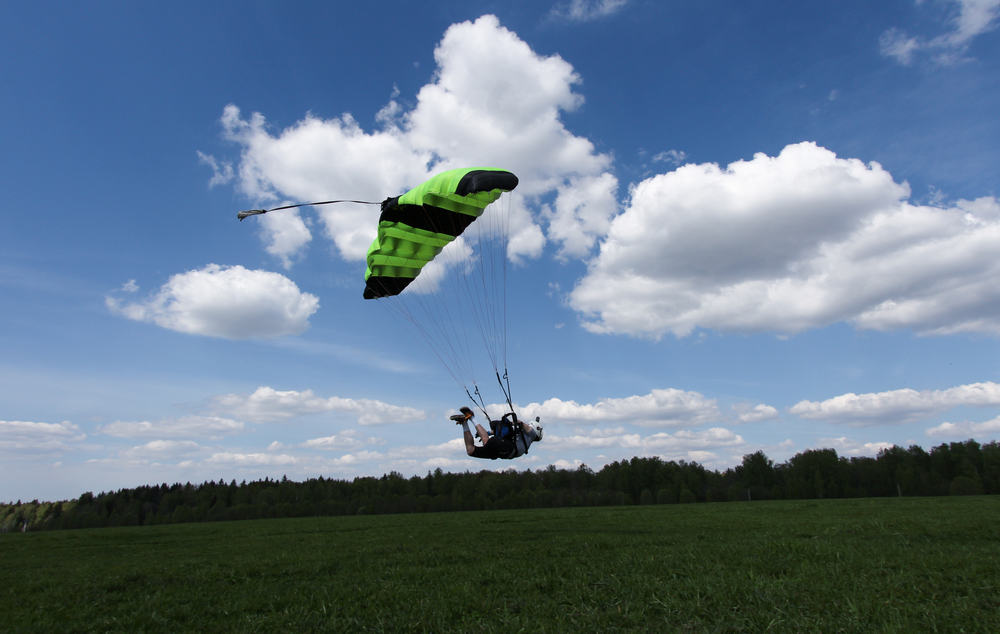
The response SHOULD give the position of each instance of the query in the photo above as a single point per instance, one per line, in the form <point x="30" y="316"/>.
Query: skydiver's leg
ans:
<point x="484" y="436"/>
<point x="470" y="443"/>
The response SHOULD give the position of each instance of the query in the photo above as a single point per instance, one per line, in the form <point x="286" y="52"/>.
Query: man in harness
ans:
<point x="507" y="439"/>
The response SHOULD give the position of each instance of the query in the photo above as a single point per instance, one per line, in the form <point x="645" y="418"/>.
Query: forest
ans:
<point x="957" y="468"/>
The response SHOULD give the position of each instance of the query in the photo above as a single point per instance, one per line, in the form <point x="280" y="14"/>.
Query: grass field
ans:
<point x="911" y="564"/>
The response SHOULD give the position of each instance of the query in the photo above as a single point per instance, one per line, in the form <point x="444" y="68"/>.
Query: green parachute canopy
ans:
<point x="414" y="227"/>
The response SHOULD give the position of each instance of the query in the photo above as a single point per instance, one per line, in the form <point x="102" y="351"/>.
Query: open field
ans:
<point x="910" y="564"/>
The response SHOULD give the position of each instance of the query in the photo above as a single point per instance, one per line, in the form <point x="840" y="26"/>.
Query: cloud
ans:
<point x="671" y="157"/>
<point x="897" y="406"/>
<point x="285" y="235"/>
<point x="492" y="96"/>
<point x="580" y="214"/>
<point x="34" y="437"/>
<point x="347" y="440"/>
<point x="969" y="19"/>
<point x="687" y="440"/>
<point x="229" y="302"/>
<point x="898" y="45"/>
<point x="660" y="408"/>
<point x="756" y="413"/>
<point x="361" y="456"/>
<point x="267" y="404"/>
<point x="185" y="426"/>
<point x="788" y="243"/>
<point x="966" y="429"/>
<point x="601" y="438"/>
<point x="848" y="447"/>
<point x="237" y="459"/>
<point x="491" y="101"/>
<point x="675" y="445"/>
<point x="157" y="450"/>
<point x="587" y="10"/>
<point x="318" y="159"/>
<point x="222" y="172"/>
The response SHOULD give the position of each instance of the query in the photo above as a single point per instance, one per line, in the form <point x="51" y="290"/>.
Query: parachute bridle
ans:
<point x="256" y="212"/>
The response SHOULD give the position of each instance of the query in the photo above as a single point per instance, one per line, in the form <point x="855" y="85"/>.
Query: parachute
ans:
<point x="414" y="227"/>
<point x="413" y="231"/>
<point x="457" y="223"/>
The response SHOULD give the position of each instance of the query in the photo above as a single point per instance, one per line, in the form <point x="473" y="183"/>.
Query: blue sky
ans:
<point x="737" y="228"/>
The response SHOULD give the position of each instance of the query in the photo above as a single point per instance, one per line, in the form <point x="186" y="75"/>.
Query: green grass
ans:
<point x="912" y="564"/>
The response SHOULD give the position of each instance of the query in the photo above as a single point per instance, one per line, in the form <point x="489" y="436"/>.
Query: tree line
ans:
<point x="958" y="468"/>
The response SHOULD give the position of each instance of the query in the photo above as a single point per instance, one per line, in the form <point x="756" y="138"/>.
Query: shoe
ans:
<point x="458" y="418"/>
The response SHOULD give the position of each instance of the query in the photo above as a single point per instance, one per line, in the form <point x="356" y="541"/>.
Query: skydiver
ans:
<point x="503" y="441"/>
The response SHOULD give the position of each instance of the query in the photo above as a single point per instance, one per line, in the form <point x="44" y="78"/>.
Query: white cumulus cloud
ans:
<point x="675" y="445"/>
<point x="897" y="406"/>
<point x="580" y="214"/>
<point x="157" y="450"/>
<point x="787" y="243"/>
<point x="755" y="413"/>
<point x="491" y="101"/>
<point x="183" y="427"/>
<point x="268" y="404"/>
<point x="31" y="437"/>
<point x="668" y="407"/>
<point x="348" y="439"/>
<point x="285" y="235"/>
<point x="967" y="429"/>
<point x="239" y="459"/>
<point x="231" y="302"/>
<point x="318" y="159"/>
<point x="849" y="447"/>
